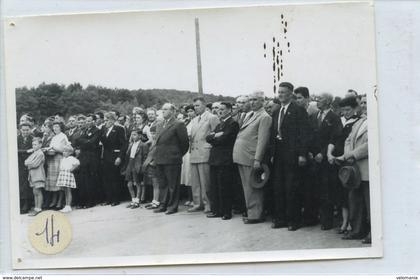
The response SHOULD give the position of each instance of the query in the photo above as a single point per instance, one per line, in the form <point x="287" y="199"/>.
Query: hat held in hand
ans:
<point x="350" y="176"/>
<point x="259" y="177"/>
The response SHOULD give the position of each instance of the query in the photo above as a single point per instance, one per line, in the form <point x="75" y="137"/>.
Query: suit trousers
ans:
<point x="254" y="198"/>
<point x="169" y="177"/>
<point x="221" y="189"/>
<point x="328" y="183"/>
<point x="287" y="206"/>
<point x="88" y="180"/>
<point x="111" y="182"/>
<point x="238" y="192"/>
<point x="200" y="184"/>
<point x="309" y="196"/>
<point x="359" y="205"/>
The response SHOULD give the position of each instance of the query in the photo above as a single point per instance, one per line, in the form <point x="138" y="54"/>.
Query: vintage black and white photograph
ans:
<point x="217" y="135"/>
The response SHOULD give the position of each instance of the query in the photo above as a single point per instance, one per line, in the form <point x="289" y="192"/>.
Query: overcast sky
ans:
<point x="331" y="49"/>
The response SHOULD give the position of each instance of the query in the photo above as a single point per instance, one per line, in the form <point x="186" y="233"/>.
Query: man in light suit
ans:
<point x="201" y="126"/>
<point x="356" y="151"/>
<point x="249" y="152"/>
<point x="170" y="146"/>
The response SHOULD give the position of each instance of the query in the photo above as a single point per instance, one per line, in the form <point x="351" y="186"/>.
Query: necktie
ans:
<point x="321" y="113"/>
<point x="248" y="117"/>
<point x="281" y="117"/>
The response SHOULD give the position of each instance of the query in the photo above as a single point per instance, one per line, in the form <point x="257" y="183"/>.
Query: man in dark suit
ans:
<point x="327" y="126"/>
<point x="309" y="172"/>
<point x="171" y="145"/>
<point x="222" y="169"/>
<point x="289" y="149"/>
<point x="88" y="144"/>
<point x="24" y="143"/>
<point x="114" y="145"/>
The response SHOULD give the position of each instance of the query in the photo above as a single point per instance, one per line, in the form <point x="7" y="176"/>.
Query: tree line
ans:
<point x="48" y="99"/>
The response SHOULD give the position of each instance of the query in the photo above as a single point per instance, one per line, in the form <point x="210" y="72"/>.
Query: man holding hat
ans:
<point x="249" y="151"/>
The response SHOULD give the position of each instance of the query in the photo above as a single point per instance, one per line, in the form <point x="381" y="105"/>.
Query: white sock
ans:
<point x="37" y="209"/>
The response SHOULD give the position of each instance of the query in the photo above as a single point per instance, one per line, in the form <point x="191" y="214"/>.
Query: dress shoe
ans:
<point x="34" y="213"/>
<point x="278" y="224"/>
<point x="195" y="209"/>
<point x="159" y="210"/>
<point x="342" y="231"/>
<point x="237" y="211"/>
<point x="324" y="227"/>
<point x="293" y="228"/>
<point x="352" y="237"/>
<point x="105" y="203"/>
<point x="213" y="215"/>
<point x="367" y="240"/>
<point x="114" y="204"/>
<point x="253" y="221"/>
<point x="227" y="217"/>
<point x="169" y="212"/>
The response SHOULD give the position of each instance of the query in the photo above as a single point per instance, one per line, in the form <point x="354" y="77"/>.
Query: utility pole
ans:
<point x="197" y="44"/>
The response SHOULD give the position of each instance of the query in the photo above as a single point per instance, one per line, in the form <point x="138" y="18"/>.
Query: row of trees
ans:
<point x="47" y="99"/>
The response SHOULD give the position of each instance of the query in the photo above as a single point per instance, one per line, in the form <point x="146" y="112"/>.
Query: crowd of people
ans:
<point x="207" y="155"/>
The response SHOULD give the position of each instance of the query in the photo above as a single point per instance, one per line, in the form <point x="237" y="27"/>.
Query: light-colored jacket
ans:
<point x="200" y="128"/>
<point x="253" y="138"/>
<point x="356" y="146"/>
<point x="35" y="164"/>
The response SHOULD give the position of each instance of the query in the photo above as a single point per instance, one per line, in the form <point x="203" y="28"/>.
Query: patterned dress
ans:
<point x="65" y="177"/>
<point x="58" y="142"/>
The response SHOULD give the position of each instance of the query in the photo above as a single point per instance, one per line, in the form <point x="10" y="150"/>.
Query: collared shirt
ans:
<point x="134" y="149"/>
<point x="109" y="131"/>
<point x="322" y="114"/>
<point x="280" y="120"/>
<point x="226" y="118"/>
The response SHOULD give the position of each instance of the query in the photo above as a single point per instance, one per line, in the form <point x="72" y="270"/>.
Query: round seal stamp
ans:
<point x="50" y="232"/>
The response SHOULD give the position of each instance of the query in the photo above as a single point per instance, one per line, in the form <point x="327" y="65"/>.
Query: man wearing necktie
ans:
<point x="289" y="134"/>
<point x="221" y="163"/>
<point x="170" y="146"/>
<point x="249" y="152"/>
<point x="201" y="126"/>
<point x="114" y="143"/>
<point x="328" y="128"/>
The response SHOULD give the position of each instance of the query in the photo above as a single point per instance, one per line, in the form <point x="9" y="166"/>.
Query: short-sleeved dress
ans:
<point x="65" y="177"/>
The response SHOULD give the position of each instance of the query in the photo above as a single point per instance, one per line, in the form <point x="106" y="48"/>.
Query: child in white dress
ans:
<point x="66" y="178"/>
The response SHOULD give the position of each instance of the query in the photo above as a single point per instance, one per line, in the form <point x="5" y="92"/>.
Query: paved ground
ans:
<point x="105" y="231"/>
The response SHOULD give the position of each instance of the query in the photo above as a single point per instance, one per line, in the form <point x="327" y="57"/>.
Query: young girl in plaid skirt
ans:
<point x="66" y="179"/>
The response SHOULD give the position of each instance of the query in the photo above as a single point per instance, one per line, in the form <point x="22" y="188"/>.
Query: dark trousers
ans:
<point x="221" y="189"/>
<point x="286" y="191"/>
<point x="25" y="191"/>
<point x="88" y="174"/>
<point x="238" y="191"/>
<point x="328" y="182"/>
<point x="169" y="176"/>
<point x="308" y="193"/>
<point x="359" y="207"/>
<point x="111" y="182"/>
